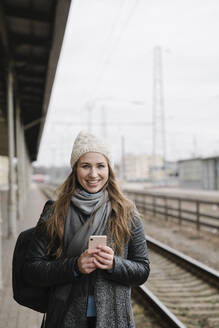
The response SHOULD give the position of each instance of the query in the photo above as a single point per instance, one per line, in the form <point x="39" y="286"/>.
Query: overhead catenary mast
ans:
<point x="158" y="124"/>
<point x="123" y="165"/>
<point x="104" y="121"/>
<point x="89" y="107"/>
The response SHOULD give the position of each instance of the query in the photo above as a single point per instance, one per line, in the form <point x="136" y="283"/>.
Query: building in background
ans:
<point x="199" y="173"/>
<point x="211" y="173"/>
<point x="190" y="173"/>
<point x="139" y="167"/>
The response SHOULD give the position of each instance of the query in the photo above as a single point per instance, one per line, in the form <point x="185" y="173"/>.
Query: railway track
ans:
<point x="189" y="289"/>
<point x="181" y="292"/>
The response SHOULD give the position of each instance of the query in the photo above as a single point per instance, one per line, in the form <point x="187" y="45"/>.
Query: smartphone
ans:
<point x="95" y="241"/>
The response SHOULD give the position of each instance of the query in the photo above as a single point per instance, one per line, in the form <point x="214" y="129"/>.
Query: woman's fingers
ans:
<point x="86" y="263"/>
<point x="101" y="258"/>
<point x="106" y="249"/>
<point x="92" y="251"/>
<point x="105" y="255"/>
<point x="104" y="259"/>
<point x="104" y="265"/>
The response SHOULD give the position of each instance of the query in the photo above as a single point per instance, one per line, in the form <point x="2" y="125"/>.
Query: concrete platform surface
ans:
<point x="13" y="315"/>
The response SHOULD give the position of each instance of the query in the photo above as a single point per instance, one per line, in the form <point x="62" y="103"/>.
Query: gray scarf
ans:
<point x="87" y="215"/>
<point x="78" y="227"/>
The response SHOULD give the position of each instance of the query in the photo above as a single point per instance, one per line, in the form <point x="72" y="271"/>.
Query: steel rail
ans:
<point x="203" y="271"/>
<point x="164" y="312"/>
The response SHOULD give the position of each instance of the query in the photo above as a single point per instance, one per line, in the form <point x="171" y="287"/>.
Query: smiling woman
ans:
<point x="90" y="287"/>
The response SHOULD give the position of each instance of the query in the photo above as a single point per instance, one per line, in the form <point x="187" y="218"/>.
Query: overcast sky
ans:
<point x="107" y="64"/>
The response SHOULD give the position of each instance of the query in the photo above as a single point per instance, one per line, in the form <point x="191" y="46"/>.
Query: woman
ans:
<point x="89" y="288"/>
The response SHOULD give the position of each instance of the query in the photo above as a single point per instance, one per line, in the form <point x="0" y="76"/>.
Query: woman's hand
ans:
<point x="86" y="261"/>
<point x="104" y="258"/>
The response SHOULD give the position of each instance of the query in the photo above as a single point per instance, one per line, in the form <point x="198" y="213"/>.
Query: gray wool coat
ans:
<point x="111" y="289"/>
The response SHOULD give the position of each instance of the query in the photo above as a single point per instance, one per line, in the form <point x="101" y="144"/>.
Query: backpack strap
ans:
<point x="43" y="324"/>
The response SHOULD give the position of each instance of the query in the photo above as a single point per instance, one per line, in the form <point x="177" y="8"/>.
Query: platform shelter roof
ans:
<point x="31" y="36"/>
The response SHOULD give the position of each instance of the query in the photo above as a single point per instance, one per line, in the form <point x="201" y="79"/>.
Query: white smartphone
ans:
<point x="96" y="240"/>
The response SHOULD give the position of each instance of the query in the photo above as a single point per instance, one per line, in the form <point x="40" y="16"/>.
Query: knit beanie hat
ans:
<point x="87" y="142"/>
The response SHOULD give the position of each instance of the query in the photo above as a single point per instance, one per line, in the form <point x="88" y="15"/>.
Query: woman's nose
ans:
<point x="93" y="172"/>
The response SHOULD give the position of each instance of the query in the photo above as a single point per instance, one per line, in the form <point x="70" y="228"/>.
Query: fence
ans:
<point x="196" y="211"/>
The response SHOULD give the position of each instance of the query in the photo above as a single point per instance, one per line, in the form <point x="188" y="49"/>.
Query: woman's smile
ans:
<point x="93" y="183"/>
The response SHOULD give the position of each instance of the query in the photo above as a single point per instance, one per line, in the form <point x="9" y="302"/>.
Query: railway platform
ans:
<point x="13" y="315"/>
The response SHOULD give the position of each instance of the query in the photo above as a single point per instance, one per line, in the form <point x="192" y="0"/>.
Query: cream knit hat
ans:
<point x="87" y="142"/>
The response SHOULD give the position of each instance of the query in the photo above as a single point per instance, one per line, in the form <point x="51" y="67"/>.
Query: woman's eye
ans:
<point x="86" y="166"/>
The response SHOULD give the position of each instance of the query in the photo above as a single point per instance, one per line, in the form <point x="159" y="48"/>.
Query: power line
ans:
<point x="115" y="44"/>
<point x="108" y="38"/>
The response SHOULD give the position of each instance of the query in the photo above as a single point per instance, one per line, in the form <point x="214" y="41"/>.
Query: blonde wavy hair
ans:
<point x="119" y="222"/>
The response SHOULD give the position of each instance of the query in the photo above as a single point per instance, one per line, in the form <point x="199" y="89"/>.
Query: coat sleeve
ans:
<point x="40" y="268"/>
<point x="134" y="270"/>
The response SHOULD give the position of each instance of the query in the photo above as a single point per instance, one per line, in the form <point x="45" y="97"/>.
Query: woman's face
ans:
<point x="92" y="171"/>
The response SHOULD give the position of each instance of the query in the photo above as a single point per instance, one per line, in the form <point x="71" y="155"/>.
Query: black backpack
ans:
<point x="34" y="297"/>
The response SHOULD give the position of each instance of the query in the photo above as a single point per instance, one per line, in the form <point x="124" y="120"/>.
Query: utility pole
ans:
<point x="194" y="153"/>
<point x="89" y="107"/>
<point x="104" y="119"/>
<point x="158" y="125"/>
<point x="123" y="166"/>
